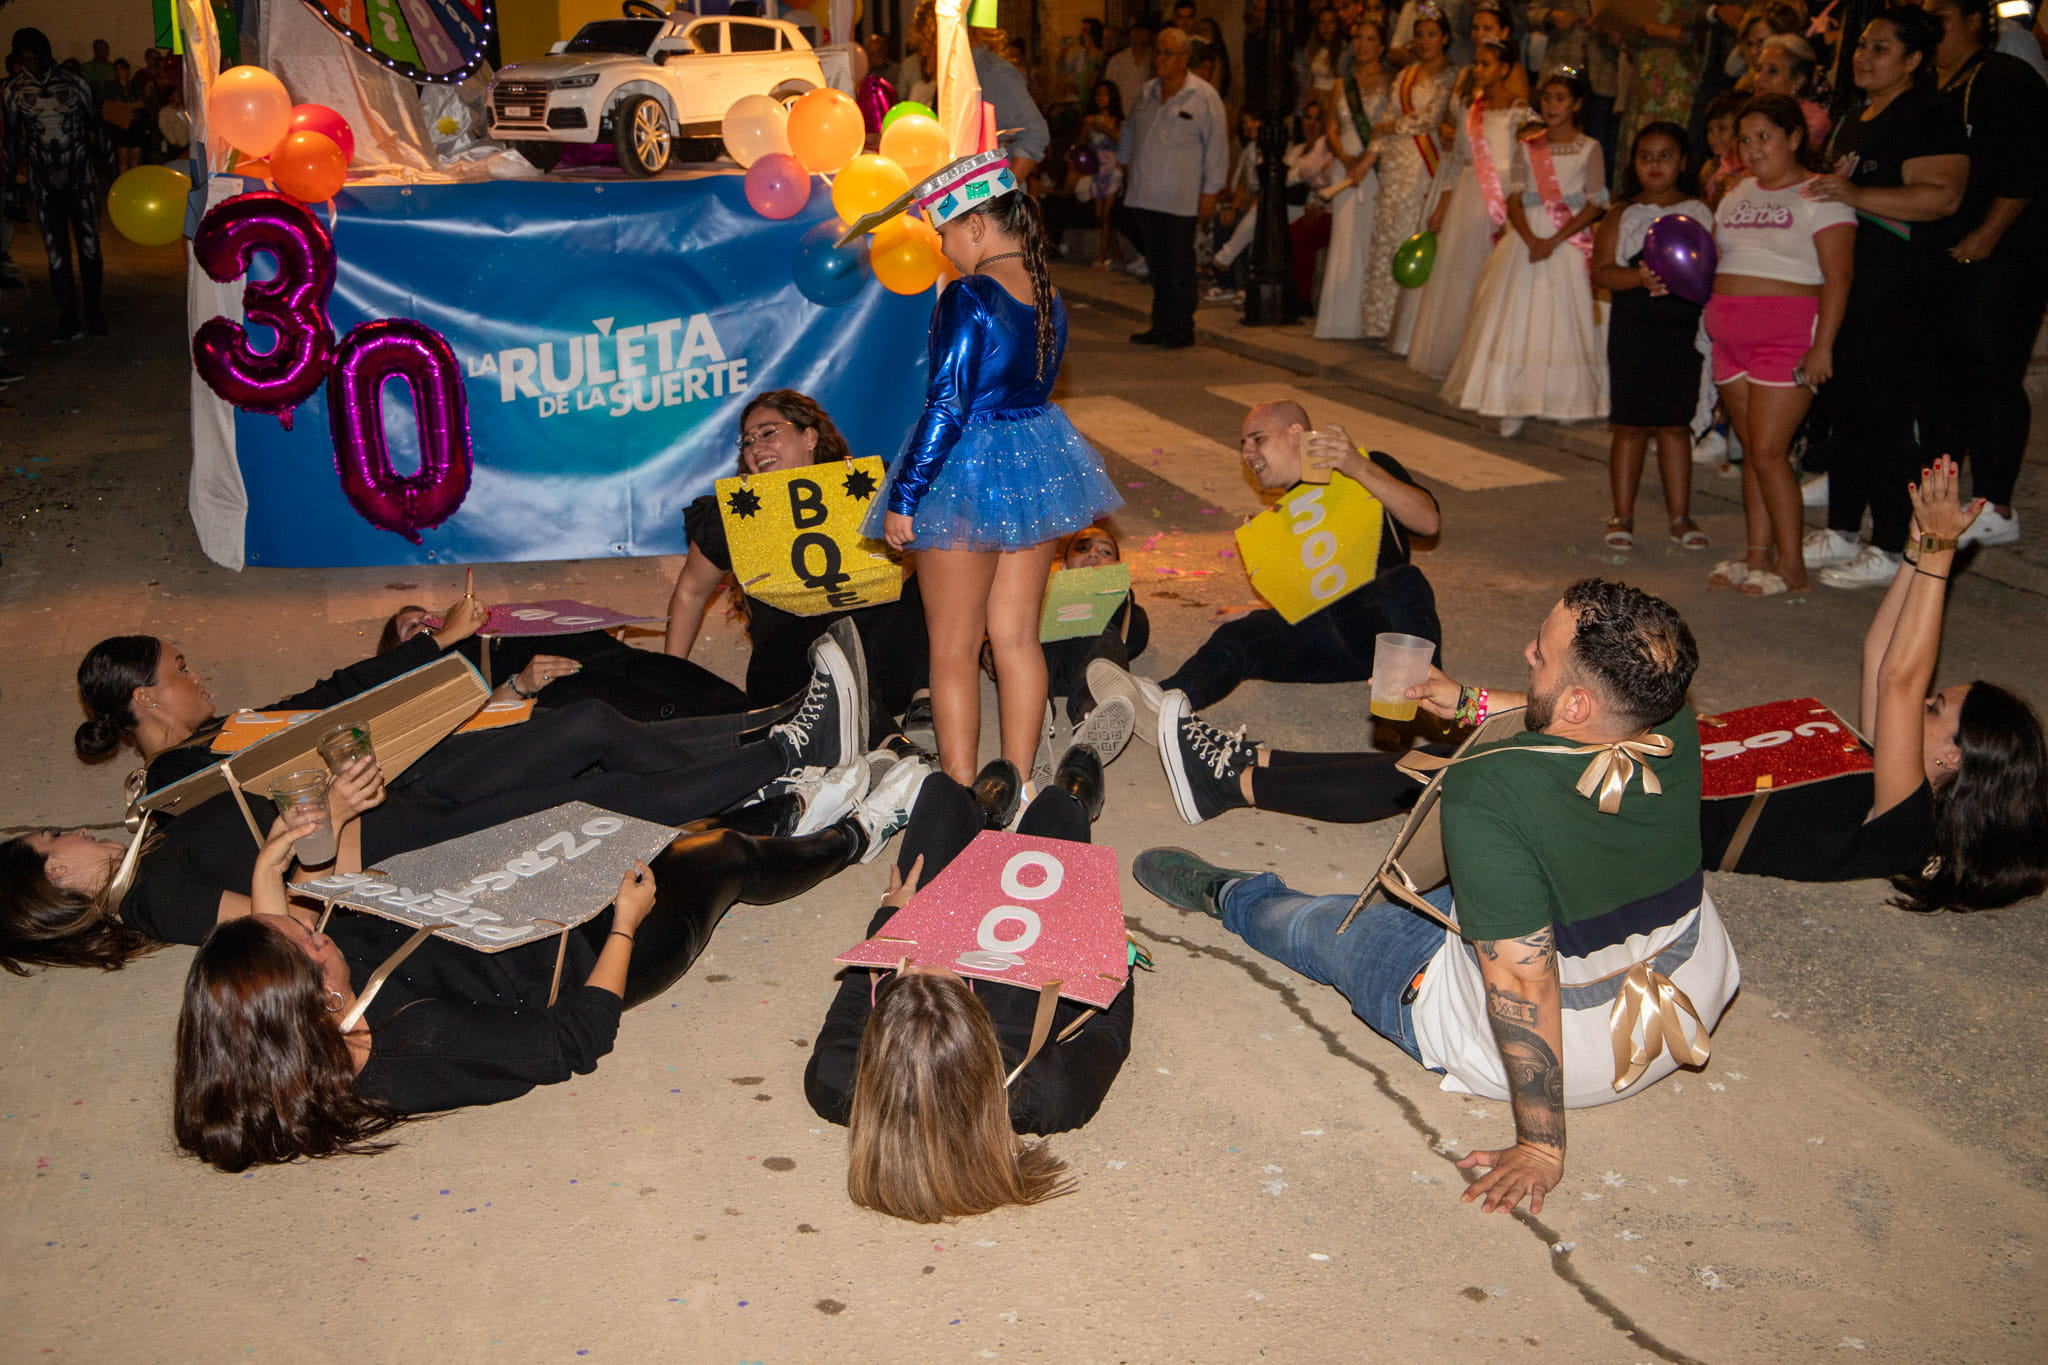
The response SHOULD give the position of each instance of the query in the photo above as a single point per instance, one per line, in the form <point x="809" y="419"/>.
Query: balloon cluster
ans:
<point x="823" y="132"/>
<point x="303" y="149"/>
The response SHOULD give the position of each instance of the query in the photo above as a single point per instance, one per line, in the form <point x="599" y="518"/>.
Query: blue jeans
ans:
<point x="1371" y="963"/>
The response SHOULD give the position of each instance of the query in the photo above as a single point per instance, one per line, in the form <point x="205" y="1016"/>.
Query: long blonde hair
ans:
<point x="929" y="1134"/>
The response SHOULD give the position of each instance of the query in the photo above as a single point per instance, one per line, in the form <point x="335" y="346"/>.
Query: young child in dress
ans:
<point x="1100" y="129"/>
<point x="1532" y="346"/>
<point x="1722" y="167"/>
<point x="994" y="473"/>
<point x="1653" y="358"/>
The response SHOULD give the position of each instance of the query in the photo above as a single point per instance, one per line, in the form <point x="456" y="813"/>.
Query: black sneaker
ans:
<point x="1184" y="881"/>
<point x="1203" y="764"/>
<point x="828" y="726"/>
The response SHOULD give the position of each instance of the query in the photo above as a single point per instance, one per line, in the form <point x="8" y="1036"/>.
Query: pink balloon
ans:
<point x="404" y="349"/>
<point x="778" y="186"/>
<point x="292" y="303"/>
<point x="318" y="118"/>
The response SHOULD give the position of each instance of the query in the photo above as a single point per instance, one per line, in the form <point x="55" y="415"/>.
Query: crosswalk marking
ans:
<point x="1425" y="453"/>
<point x="1206" y="468"/>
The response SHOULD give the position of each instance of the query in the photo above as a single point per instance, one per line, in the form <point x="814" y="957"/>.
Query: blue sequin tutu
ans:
<point x="1017" y="477"/>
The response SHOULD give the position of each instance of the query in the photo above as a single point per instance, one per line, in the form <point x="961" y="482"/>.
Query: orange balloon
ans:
<point x="309" y="167"/>
<point x="905" y="256"/>
<point x="826" y="130"/>
<point x="865" y="184"/>
<point x="918" y="145"/>
<point x="249" y="109"/>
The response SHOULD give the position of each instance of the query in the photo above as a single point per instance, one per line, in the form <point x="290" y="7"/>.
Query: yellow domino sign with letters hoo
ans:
<point x="1320" y="542"/>
<point x="795" y="537"/>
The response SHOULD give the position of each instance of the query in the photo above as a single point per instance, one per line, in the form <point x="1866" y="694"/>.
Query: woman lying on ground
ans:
<point x="61" y="903"/>
<point x="913" y="1062"/>
<point x="1954" y="811"/>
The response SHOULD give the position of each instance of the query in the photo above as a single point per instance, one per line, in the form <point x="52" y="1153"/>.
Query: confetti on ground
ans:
<point x="1418" y="1178"/>
<point x="1116" y="1165"/>
<point x="1311" y="1132"/>
<point x="1273" y="1187"/>
<point x="1716" y="1086"/>
<point x="1254" y="1295"/>
<point x="1562" y="1247"/>
<point x="1614" y="1179"/>
<point x="1709" y="1277"/>
<point x="1164" y="1072"/>
<point x="1737" y="1076"/>
<point x="1592" y="1198"/>
<point x="1851" y="1344"/>
<point x="1628" y="1235"/>
<point x="1317" y="1256"/>
<point x="1677" y="1181"/>
<point x="1639" y="1270"/>
<point x="1274" y="1170"/>
<point x="1817" y="1141"/>
<point x="1134" y="483"/>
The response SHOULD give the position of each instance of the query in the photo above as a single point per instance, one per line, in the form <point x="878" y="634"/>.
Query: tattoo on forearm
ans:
<point x="1535" y="1075"/>
<point x="1537" y="950"/>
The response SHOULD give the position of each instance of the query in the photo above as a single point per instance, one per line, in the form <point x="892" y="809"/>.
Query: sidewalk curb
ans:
<point x="1585" y="443"/>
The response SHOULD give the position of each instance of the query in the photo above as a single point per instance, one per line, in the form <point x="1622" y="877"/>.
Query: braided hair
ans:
<point x="1017" y="214"/>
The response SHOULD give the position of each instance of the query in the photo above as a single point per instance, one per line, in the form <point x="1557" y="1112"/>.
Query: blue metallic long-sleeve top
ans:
<point x="984" y="361"/>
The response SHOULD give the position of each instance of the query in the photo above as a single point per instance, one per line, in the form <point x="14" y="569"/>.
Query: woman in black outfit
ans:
<point x="1900" y="163"/>
<point x="1990" y="287"/>
<point x="783" y="429"/>
<point x="1123" y="639"/>
<point x="897" y="1049"/>
<point x="1955" y="811"/>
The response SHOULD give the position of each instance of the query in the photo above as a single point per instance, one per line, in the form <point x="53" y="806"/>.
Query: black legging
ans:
<point x="637" y="683"/>
<point x="947" y="817"/>
<point x="1066" y="661"/>
<point x="1341" y="789"/>
<point x="699" y="877"/>
<point x="499" y="775"/>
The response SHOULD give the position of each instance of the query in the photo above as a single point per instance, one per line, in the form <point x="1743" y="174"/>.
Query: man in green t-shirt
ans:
<point x="1574" y="857"/>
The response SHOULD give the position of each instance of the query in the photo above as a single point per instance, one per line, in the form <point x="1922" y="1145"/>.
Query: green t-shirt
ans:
<point x="1526" y="850"/>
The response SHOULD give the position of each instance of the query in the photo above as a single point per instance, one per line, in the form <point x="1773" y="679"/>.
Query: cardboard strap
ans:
<point x="235" y="788"/>
<point x="561" y="952"/>
<point x="1743" y="829"/>
<point x="378" y="977"/>
<point x="1041" y="1027"/>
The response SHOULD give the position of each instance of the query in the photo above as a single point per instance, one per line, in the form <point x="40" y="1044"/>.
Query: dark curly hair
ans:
<point x="107" y="679"/>
<point x="804" y="413"/>
<point x="1991" y="818"/>
<point x="1634" y="647"/>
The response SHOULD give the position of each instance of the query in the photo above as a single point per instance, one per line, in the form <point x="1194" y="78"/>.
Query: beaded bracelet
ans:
<point x="1471" y="706"/>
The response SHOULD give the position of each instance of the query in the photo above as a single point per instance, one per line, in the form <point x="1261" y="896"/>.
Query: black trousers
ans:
<point x="946" y="819"/>
<point x="892" y="635"/>
<point x="71" y="212"/>
<point x="1334" y="645"/>
<point x="1168" y="241"/>
<point x="1066" y="661"/>
<point x="1986" y="315"/>
<point x="640" y="684"/>
<point x="1341" y="789"/>
<point x="1881" y="363"/>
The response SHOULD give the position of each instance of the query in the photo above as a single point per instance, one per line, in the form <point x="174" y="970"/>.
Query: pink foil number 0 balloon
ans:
<point x="292" y="303"/>
<point x="404" y="349"/>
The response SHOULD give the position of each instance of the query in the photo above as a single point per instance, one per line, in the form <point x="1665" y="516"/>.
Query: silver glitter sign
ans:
<point x="507" y="885"/>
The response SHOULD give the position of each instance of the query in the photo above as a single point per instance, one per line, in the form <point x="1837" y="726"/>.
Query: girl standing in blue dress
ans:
<point x="994" y="473"/>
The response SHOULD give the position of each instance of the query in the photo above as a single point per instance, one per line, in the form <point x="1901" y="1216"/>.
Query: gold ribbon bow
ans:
<point x="1614" y="764"/>
<point x="1649" y="997"/>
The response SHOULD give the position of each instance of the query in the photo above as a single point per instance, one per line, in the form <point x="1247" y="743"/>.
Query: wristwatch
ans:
<point x="1933" y="544"/>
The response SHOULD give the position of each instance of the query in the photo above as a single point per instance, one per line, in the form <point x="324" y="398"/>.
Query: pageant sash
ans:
<point x="1485" y="167"/>
<point x="1425" y="142"/>
<point x="1545" y="170"/>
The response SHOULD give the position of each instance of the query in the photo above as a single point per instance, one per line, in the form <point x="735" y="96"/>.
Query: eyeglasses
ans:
<point x="761" y="433"/>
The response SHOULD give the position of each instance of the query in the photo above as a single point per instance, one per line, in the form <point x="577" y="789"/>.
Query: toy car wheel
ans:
<point x="545" y="156"/>
<point x="642" y="136"/>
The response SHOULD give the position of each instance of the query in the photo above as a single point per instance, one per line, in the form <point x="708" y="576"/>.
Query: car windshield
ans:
<point x="616" y="35"/>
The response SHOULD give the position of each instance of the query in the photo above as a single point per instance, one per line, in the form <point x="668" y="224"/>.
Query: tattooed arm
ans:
<point x="1524" y="1005"/>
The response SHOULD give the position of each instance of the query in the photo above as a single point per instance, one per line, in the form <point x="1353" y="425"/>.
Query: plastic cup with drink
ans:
<point x="1399" y="662"/>
<point x="344" y="744"/>
<point x="1312" y="470"/>
<point x="306" y="790"/>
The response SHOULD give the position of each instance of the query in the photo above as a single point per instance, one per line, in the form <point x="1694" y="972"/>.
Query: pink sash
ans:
<point x="1545" y="171"/>
<point x="1484" y="168"/>
<point x="1425" y="143"/>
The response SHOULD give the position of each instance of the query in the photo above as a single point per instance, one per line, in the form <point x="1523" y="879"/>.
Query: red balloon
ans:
<point x="318" y="118"/>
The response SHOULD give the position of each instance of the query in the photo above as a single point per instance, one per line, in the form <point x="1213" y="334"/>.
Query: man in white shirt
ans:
<point x="1129" y="69"/>
<point x="1176" y="151"/>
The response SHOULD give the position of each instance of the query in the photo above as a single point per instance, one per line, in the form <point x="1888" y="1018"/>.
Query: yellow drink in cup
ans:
<point x="1393" y="710"/>
<point x="1399" y="662"/>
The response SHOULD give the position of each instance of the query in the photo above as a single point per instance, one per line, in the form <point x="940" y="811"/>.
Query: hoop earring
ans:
<point x="334" y="1008"/>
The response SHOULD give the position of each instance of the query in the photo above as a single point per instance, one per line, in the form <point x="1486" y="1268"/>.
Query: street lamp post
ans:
<point x="1269" y="301"/>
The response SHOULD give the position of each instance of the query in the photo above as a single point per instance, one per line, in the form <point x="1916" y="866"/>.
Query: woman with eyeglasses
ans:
<point x="782" y="429"/>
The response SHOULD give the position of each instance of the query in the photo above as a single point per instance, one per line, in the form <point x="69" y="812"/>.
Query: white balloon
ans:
<point x="754" y="127"/>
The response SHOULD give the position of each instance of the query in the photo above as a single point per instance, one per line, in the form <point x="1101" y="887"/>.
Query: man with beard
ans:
<point x="1587" y="960"/>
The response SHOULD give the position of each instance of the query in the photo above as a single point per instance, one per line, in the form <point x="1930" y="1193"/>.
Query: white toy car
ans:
<point x="645" y="80"/>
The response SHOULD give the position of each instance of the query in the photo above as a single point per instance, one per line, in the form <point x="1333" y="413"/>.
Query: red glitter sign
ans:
<point x="1779" y="744"/>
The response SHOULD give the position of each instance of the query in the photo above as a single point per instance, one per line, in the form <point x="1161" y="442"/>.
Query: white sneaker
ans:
<point x="1041" y="764"/>
<point x="886" y="809"/>
<point x="827" y="794"/>
<point x="1711" y="448"/>
<point x="1870" y="568"/>
<point x="1510" y="427"/>
<point x="1106" y="680"/>
<point x="1822" y="548"/>
<point x="1814" y="492"/>
<point x="1991" y="529"/>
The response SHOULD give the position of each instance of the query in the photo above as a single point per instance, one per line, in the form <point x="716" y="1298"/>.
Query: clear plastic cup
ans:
<point x="1399" y="662"/>
<point x="1310" y="472"/>
<point x="306" y="789"/>
<point x="344" y="744"/>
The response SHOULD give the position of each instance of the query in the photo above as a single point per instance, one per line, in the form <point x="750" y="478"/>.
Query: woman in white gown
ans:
<point x="1408" y="160"/>
<point x="1532" y="347"/>
<point x="1360" y="101"/>
<point x="1471" y="211"/>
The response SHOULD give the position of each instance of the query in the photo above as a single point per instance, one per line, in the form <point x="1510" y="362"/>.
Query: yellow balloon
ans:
<point x="826" y="130"/>
<point x="905" y="256"/>
<point x="147" y="204"/>
<point x="865" y="184"/>
<point x="918" y="145"/>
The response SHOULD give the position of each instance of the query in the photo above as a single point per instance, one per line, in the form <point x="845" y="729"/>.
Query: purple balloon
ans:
<point x="293" y="303"/>
<point x="1680" y="251"/>
<point x="1083" y="159"/>
<point x="778" y="186"/>
<point x="874" y="95"/>
<point x="372" y="353"/>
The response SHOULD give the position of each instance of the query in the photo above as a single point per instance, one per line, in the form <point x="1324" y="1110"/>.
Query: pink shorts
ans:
<point x="1761" y="338"/>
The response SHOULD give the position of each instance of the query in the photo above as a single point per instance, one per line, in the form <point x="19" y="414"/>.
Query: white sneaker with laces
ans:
<point x="1871" y="568"/>
<point x="1822" y="548"/>
<point x="1711" y="448"/>
<point x="1106" y="680"/>
<point x="1991" y="529"/>
<point x="1814" y="492"/>
<point x="886" y="808"/>
<point x="827" y="794"/>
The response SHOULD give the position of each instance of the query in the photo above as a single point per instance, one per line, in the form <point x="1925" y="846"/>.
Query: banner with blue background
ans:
<point x="609" y="335"/>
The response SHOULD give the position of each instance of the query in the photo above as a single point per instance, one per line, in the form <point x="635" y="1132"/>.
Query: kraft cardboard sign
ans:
<point x="795" y="539"/>
<point x="1080" y="602"/>
<point x="507" y="885"/>
<point x="1319" y="543"/>
<point x="1015" y="909"/>
<point x="244" y="728"/>
<point x="1774" y="746"/>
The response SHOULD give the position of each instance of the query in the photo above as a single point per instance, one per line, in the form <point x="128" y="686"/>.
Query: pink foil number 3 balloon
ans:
<point x="292" y="303"/>
<point x="403" y="349"/>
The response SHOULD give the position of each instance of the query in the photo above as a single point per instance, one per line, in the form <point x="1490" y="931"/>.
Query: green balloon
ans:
<point x="1414" y="259"/>
<point x="902" y="107"/>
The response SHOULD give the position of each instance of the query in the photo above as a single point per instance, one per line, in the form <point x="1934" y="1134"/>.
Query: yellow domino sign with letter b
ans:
<point x="795" y="537"/>
<point x="1317" y="544"/>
